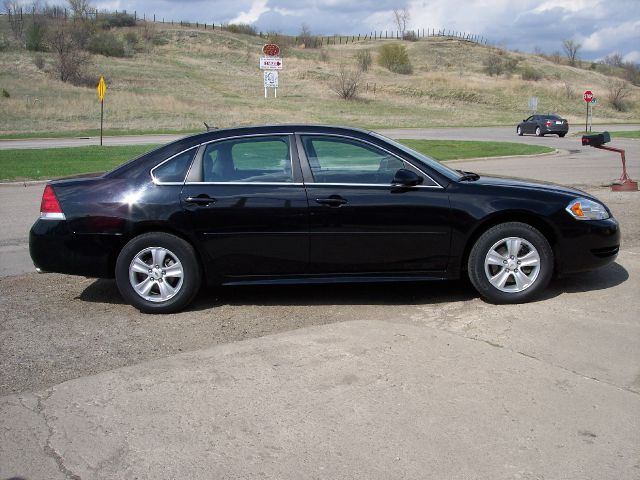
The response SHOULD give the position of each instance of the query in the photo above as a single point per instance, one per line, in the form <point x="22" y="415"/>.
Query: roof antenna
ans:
<point x="208" y="127"/>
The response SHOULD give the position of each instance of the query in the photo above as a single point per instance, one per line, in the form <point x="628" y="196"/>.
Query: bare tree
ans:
<point x="13" y="9"/>
<point x="571" y="49"/>
<point x="346" y="83"/>
<point x="305" y="36"/>
<point x="401" y="18"/>
<point x="613" y="60"/>
<point x="80" y="8"/>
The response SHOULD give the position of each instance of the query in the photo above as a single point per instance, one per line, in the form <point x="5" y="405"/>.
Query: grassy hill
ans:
<point x="198" y="75"/>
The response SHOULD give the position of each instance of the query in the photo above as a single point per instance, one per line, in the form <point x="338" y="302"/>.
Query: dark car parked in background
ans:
<point x="310" y="204"/>
<point x="540" y="125"/>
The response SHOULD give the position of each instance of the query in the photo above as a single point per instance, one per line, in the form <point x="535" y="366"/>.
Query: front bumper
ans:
<point x="55" y="248"/>
<point x="587" y="245"/>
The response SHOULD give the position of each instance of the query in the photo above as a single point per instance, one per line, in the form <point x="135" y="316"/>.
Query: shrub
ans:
<point x="82" y="31"/>
<point x="364" y="60"/>
<point x="114" y="20"/>
<point x="529" y="73"/>
<point x="36" y="35"/>
<point x="618" y="92"/>
<point x="242" y="28"/>
<point x="107" y="44"/>
<point x="70" y="60"/>
<point x="493" y="65"/>
<point x="131" y="37"/>
<point x="394" y="57"/>
<point x="498" y="63"/>
<point x="324" y="55"/>
<point x="410" y="36"/>
<point x="38" y="61"/>
<point x="346" y="83"/>
<point x="5" y="94"/>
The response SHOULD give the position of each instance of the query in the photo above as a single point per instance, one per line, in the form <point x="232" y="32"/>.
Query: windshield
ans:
<point x="428" y="161"/>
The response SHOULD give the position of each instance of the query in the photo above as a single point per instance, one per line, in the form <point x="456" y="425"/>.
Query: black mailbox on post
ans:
<point x="596" y="139"/>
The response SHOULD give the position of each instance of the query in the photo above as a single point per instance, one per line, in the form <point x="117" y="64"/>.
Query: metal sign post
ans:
<point x="102" y="88"/>
<point x="587" y="96"/>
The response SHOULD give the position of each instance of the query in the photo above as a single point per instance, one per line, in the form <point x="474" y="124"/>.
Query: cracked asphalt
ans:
<point x="419" y="380"/>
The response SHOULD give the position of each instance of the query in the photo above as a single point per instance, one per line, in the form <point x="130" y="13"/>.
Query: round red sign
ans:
<point x="271" y="49"/>
<point x="588" y="96"/>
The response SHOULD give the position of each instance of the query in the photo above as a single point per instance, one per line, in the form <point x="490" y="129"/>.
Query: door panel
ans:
<point x="251" y="229"/>
<point x="359" y="222"/>
<point x="378" y="229"/>
<point x="248" y="207"/>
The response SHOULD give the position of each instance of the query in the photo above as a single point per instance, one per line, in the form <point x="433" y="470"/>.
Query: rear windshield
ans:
<point x="552" y="117"/>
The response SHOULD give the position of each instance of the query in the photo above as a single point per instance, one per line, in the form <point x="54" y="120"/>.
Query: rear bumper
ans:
<point x="588" y="245"/>
<point x="555" y="129"/>
<point x="55" y="248"/>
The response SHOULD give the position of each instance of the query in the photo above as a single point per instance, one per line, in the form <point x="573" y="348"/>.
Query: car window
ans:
<point x="343" y="160"/>
<point x="174" y="170"/>
<point x="253" y="159"/>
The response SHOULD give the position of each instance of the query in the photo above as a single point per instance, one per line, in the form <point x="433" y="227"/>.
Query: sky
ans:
<point x="602" y="27"/>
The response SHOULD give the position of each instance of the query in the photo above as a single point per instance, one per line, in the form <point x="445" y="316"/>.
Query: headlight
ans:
<point x="583" y="209"/>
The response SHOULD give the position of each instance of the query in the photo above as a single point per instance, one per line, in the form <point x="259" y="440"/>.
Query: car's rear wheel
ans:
<point x="519" y="130"/>
<point x="561" y="135"/>
<point x="539" y="132"/>
<point x="158" y="273"/>
<point x="510" y="263"/>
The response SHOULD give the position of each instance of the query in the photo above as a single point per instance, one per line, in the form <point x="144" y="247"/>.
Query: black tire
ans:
<point x="174" y="249"/>
<point x="539" y="132"/>
<point x="479" y="271"/>
<point x="561" y="135"/>
<point x="519" y="130"/>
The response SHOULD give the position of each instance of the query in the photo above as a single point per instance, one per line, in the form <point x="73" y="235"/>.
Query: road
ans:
<point x="506" y="134"/>
<point x="309" y="382"/>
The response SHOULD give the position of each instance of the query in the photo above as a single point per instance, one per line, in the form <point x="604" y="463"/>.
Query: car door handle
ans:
<point x="333" y="201"/>
<point x="200" y="200"/>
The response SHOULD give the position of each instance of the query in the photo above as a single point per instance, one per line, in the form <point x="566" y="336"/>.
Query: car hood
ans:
<point x="530" y="184"/>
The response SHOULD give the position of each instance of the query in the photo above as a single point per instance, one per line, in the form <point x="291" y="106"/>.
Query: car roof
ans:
<point x="274" y="128"/>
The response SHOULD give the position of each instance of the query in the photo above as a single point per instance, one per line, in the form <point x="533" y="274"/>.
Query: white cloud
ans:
<point x="253" y="14"/>
<point x="633" y="56"/>
<point x="605" y="37"/>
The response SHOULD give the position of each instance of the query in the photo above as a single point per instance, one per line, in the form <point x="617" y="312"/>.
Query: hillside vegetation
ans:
<point x="185" y="76"/>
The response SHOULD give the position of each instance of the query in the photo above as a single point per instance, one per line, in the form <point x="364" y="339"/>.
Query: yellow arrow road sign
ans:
<point x="102" y="88"/>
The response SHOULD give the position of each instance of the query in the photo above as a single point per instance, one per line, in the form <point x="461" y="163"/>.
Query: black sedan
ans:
<point x="543" y="124"/>
<point x="312" y="204"/>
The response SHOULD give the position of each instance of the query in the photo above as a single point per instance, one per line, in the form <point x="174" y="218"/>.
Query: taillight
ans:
<point x="548" y="123"/>
<point x="50" y="207"/>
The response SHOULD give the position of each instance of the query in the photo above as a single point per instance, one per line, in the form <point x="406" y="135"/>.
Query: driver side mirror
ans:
<point x="406" y="178"/>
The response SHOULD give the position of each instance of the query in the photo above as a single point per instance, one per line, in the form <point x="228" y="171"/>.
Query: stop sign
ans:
<point x="588" y="96"/>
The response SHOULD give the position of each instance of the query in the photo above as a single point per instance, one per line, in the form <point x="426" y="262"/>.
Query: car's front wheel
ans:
<point x="519" y="130"/>
<point x="158" y="273"/>
<point x="510" y="263"/>
<point x="539" y="132"/>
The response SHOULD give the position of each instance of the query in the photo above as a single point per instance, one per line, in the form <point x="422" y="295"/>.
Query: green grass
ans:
<point x="626" y="134"/>
<point x="454" y="150"/>
<point x="36" y="164"/>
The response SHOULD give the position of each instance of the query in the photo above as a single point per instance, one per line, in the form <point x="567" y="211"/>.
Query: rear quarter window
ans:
<point x="175" y="169"/>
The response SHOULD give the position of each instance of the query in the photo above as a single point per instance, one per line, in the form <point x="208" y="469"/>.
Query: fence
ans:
<point x="317" y="40"/>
